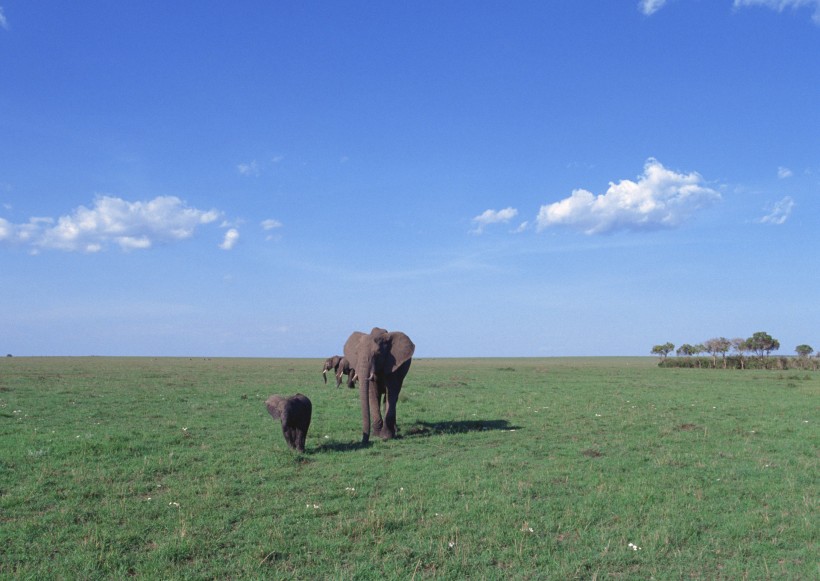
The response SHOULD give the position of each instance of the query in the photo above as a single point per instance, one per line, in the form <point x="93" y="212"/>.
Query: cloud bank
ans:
<point x="659" y="199"/>
<point x="111" y="220"/>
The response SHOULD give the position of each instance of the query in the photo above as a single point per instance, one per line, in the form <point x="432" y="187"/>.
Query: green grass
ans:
<point x="513" y="468"/>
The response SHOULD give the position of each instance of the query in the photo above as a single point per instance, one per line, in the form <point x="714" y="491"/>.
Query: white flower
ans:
<point x="634" y="547"/>
<point x="451" y="544"/>
<point x="314" y="506"/>
<point x="174" y="504"/>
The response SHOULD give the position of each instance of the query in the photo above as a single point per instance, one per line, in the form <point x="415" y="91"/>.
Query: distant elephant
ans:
<point x="381" y="360"/>
<point x="340" y="366"/>
<point x="345" y="369"/>
<point x="294" y="412"/>
<point x="331" y="363"/>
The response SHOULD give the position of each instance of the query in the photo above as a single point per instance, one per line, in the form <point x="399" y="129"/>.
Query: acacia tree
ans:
<point x="741" y="346"/>
<point x="717" y="345"/>
<point x="762" y="344"/>
<point x="804" y="351"/>
<point x="663" y="350"/>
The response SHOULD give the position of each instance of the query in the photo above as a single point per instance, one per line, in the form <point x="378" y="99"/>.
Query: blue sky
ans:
<point x="494" y="179"/>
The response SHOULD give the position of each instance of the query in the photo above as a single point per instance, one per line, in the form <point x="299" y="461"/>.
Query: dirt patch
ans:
<point x="687" y="427"/>
<point x="592" y="453"/>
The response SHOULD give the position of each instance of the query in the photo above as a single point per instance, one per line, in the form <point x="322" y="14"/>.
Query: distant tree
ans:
<point x="762" y="344"/>
<point x="717" y="345"/>
<point x="804" y="351"/>
<point x="663" y="350"/>
<point x="685" y="349"/>
<point x="741" y="347"/>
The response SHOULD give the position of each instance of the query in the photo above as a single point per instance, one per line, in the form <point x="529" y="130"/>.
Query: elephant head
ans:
<point x="381" y="360"/>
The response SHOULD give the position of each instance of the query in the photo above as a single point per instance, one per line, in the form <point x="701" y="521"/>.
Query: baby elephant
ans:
<point x="294" y="412"/>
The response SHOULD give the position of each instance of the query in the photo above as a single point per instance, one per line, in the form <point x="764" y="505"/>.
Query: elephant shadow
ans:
<point x="340" y="447"/>
<point x="426" y="429"/>
<point x="458" y="427"/>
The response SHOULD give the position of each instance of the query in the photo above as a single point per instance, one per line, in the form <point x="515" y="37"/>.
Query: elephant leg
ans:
<point x="291" y="436"/>
<point x="390" y="414"/>
<point x="394" y="383"/>
<point x="300" y="440"/>
<point x="376" y="421"/>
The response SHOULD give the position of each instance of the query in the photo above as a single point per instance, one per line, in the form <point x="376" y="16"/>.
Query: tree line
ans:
<point x="739" y="353"/>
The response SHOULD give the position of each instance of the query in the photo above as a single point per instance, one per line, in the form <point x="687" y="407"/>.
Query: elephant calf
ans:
<point x="294" y="412"/>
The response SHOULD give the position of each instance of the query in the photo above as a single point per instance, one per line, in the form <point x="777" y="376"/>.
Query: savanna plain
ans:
<point x="607" y="468"/>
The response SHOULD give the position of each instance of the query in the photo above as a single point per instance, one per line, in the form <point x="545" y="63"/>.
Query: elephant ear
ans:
<point x="274" y="405"/>
<point x="401" y="350"/>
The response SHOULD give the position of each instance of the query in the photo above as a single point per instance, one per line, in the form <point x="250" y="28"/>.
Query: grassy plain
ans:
<point x="607" y="468"/>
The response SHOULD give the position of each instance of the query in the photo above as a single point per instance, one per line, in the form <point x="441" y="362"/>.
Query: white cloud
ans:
<point x="779" y="213"/>
<point x="248" y="169"/>
<point x="784" y="172"/>
<point x="649" y="7"/>
<point x="661" y="198"/>
<point x="781" y="5"/>
<point x="493" y="217"/>
<point x="271" y="224"/>
<point x="231" y="238"/>
<point x="111" y="220"/>
<point x="3" y="22"/>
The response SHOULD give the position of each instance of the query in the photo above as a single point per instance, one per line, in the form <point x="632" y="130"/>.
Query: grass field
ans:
<point x="607" y="468"/>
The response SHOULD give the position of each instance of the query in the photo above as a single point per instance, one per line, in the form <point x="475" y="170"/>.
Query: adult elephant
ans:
<point x="381" y="360"/>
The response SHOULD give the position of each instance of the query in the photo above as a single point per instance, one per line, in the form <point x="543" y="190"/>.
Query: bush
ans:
<point x="736" y="362"/>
